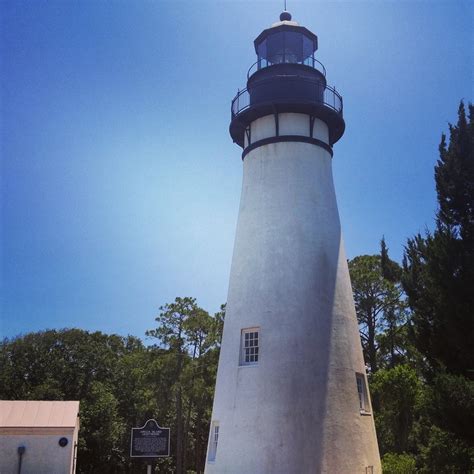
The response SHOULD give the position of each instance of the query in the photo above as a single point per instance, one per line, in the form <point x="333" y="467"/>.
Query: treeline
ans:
<point x="417" y="334"/>
<point x="121" y="383"/>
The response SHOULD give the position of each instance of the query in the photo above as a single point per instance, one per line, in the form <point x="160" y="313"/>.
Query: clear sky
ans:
<point x="120" y="184"/>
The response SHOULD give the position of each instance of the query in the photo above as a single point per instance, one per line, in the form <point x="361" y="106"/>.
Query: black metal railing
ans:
<point x="262" y="63"/>
<point x="321" y="95"/>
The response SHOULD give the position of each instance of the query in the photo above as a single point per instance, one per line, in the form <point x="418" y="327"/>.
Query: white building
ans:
<point x="291" y="393"/>
<point x="38" y="437"/>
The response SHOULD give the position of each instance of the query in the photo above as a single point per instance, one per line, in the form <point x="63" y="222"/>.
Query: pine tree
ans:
<point x="380" y="307"/>
<point x="454" y="175"/>
<point x="439" y="281"/>
<point x="439" y="267"/>
<point x="390" y="269"/>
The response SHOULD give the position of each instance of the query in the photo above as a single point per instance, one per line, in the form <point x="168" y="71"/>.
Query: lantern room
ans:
<point x="285" y="42"/>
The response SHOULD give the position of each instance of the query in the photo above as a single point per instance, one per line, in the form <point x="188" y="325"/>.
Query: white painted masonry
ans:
<point x="289" y="124"/>
<point x="297" y="411"/>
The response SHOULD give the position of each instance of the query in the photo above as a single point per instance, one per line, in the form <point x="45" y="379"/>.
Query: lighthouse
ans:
<point x="291" y="392"/>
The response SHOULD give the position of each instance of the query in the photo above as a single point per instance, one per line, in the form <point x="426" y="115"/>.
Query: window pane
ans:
<point x="213" y="441"/>
<point x="362" y="392"/>
<point x="308" y="47"/>
<point x="275" y="46"/>
<point x="249" y="347"/>
<point x="293" y="47"/>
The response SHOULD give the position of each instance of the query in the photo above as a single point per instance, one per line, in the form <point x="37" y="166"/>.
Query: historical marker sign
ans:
<point x="150" y="441"/>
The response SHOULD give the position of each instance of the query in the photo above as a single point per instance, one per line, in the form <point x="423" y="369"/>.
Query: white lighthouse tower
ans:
<point x="291" y="393"/>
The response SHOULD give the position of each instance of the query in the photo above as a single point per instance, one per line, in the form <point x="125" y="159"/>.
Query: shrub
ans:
<point x="398" y="464"/>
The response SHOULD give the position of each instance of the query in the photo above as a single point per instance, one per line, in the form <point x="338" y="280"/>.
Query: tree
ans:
<point x="398" y="391"/>
<point x="443" y="452"/>
<point x="380" y="308"/>
<point x="72" y="364"/>
<point x="398" y="464"/>
<point x="390" y="270"/>
<point x="439" y="267"/>
<point x="102" y="430"/>
<point x="171" y="333"/>
<point x="438" y="278"/>
<point x="190" y="334"/>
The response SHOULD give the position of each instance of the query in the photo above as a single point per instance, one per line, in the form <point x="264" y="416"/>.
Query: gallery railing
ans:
<point x="320" y="94"/>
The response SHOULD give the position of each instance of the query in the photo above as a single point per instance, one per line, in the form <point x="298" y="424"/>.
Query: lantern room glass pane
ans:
<point x="275" y="46"/>
<point x="308" y="47"/>
<point x="293" y="47"/>
<point x="285" y="47"/>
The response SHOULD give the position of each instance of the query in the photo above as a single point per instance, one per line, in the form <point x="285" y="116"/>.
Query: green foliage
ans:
<point x="439" y="268"/>
<point x="390" y="270"/>
<point x="398" y="391"/>
<point x="121" y="383"/>
<point x="454" y="175"/>
<point x="73" y="365"/>
<point x="439" y="280"/>
<point x="443" y="452"/>
<point x="102" y="429"/>
<point x="421" y="362"/>
<point x="192" y="338"/>
<point x="452" y="404"/>
<point x="398" y="464"/>
<point x="380" y="307"/>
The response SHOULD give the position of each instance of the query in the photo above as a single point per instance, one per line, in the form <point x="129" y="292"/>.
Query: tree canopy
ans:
<point x="121" y="383"/>
<point x="439" y="266"/>
<point x="380" y="307"/>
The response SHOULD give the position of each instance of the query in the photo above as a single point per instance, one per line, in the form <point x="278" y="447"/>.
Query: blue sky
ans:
<point x="120" y="184"/>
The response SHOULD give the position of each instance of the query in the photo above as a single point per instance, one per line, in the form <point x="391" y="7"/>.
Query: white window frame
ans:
<point x="249" y="346"/>
<point x="213" y="441"/>
<point x="363" y="393"/>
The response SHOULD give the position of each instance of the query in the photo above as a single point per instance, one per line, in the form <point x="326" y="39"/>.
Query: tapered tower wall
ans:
<point x="291" y="392"/>
<point x="298" y="409"/>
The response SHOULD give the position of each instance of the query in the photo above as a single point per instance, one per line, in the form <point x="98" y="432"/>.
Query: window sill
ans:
<point x="365" y="413"/>
<point x="245" y="366"/>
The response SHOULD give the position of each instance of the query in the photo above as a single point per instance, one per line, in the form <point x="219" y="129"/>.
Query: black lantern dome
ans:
<point x="286" y="78"/>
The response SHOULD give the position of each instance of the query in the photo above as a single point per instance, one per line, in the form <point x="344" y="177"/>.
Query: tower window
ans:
<point x="249" y="348"/>
<point x="363" y="393"/>
<point x="213" y="441"/>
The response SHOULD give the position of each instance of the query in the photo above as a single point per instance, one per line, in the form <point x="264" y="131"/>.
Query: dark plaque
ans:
<point x="150" y="441"/>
